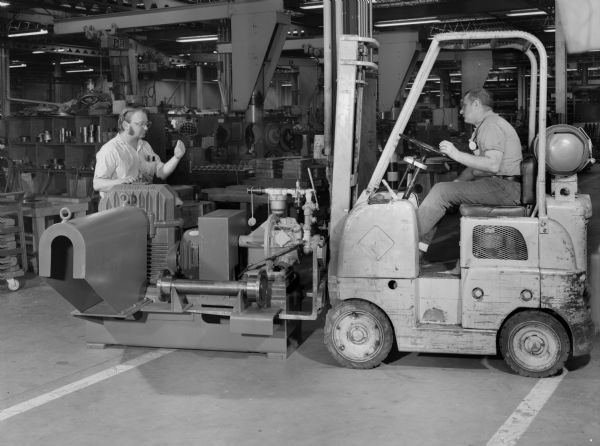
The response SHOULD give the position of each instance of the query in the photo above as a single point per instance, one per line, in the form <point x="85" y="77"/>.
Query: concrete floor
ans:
<point x="217" y="398"/>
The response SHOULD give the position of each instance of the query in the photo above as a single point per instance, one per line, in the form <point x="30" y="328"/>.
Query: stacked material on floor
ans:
<point x="8" y="243"/>
<point x="9" y="248"/>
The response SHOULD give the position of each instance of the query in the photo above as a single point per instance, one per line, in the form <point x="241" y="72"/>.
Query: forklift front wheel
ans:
<point x="358" y="334"/>
<point x="534" y="344"/>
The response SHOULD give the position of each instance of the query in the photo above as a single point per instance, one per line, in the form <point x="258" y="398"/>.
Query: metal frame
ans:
<point x="490" y="38"/>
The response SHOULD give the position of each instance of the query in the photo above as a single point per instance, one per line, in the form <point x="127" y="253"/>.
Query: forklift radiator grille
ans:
<point x="498" y="242"/>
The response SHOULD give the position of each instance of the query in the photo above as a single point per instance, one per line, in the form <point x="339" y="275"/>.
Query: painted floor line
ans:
<point x="518" y="422"/>
<point x="40" y="400"/>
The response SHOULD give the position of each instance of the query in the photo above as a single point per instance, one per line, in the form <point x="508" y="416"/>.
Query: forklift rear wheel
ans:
<point x="358" y="334"/>
<point x="534" y="344"/>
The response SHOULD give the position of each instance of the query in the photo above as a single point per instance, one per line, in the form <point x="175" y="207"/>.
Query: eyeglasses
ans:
<point x="146" y="124"/>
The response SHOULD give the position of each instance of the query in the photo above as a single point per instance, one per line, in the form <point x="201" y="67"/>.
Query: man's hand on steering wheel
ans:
<point x="423" y="147"/>
<point x="448" y="149"/>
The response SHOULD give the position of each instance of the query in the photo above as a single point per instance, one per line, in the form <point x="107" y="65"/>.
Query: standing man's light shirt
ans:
<point x="128" y="158"/>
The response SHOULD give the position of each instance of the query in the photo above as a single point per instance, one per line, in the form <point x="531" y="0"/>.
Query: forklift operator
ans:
<point x="128" y="158"/>
<point x="492" y="172"/>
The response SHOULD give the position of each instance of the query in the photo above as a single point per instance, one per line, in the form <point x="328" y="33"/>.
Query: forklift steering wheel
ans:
<point x="423" y="147"/>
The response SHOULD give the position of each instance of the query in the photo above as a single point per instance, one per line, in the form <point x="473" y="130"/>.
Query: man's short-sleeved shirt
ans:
<point x="496" y="133"/>
<point x="116" y="159"/>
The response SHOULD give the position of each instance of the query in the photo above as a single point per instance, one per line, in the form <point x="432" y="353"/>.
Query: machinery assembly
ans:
<point x="136" y="279"/>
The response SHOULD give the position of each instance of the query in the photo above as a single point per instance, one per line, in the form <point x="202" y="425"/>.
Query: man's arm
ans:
<point x="488" y="163"/>
<point x="105" y="184"/>
<point x="166" y="169"/>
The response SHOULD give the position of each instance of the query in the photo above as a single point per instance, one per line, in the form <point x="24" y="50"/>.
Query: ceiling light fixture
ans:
<point x="550" y="29"/>
<point x="4" y="4"/>
<point x="312" y="5"/>
<point x="525" y="12"/>
<point x="38" y="52"/>
<point x="68" y="62"/>
<point x="507" y="68"/>
<point x="19" y="65"/>
<point x="205" y="38"/>
<point x="81" y="70"/>
<point x="407" y="22"/>
<point x="29" y="33"/>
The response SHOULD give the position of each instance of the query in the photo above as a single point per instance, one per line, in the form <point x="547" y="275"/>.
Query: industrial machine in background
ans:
<point x="140" y="274"/>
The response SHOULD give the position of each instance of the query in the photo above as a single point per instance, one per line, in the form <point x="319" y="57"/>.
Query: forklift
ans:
<point x="521" y="288"/>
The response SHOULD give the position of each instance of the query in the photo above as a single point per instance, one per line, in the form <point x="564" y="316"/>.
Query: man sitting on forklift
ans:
<point x="492" y="172"/>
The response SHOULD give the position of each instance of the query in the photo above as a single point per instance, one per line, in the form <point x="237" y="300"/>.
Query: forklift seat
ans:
<point x="528" y="180"/>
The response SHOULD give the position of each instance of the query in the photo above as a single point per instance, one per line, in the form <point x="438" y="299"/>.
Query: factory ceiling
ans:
<point x="75" y="27"/>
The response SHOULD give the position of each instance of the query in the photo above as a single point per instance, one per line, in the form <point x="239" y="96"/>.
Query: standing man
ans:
<point x="493" y="169"/>
<point x="128" y="157"/>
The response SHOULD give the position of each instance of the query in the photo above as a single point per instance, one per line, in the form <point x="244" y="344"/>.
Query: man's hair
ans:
<point x="126" y="114"/>
<point x="485" y="97"/>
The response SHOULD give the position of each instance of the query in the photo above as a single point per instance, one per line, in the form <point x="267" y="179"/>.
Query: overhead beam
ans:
<point x="166" y="16"/>
<point x="55" y="48"/>
<point x="386" y="11"/>
<point x="41" y="17"/>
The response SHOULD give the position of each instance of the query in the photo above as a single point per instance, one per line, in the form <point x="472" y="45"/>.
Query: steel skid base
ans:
<point x="191" y="331"/>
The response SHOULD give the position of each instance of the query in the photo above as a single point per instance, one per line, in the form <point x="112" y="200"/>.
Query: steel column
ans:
<point x="328" y="76"/>
<point x="475" y="68"/>
<point x="199" y="88"/>
<point x="4" y="79"/>
<point x="257" y="41"/>
<point x="560" y="71"/>
<point x="396" y="50"/>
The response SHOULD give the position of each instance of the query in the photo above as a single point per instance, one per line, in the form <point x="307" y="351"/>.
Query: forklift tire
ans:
<point x="358" y="334"/>
<point x="534" y="344"/>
